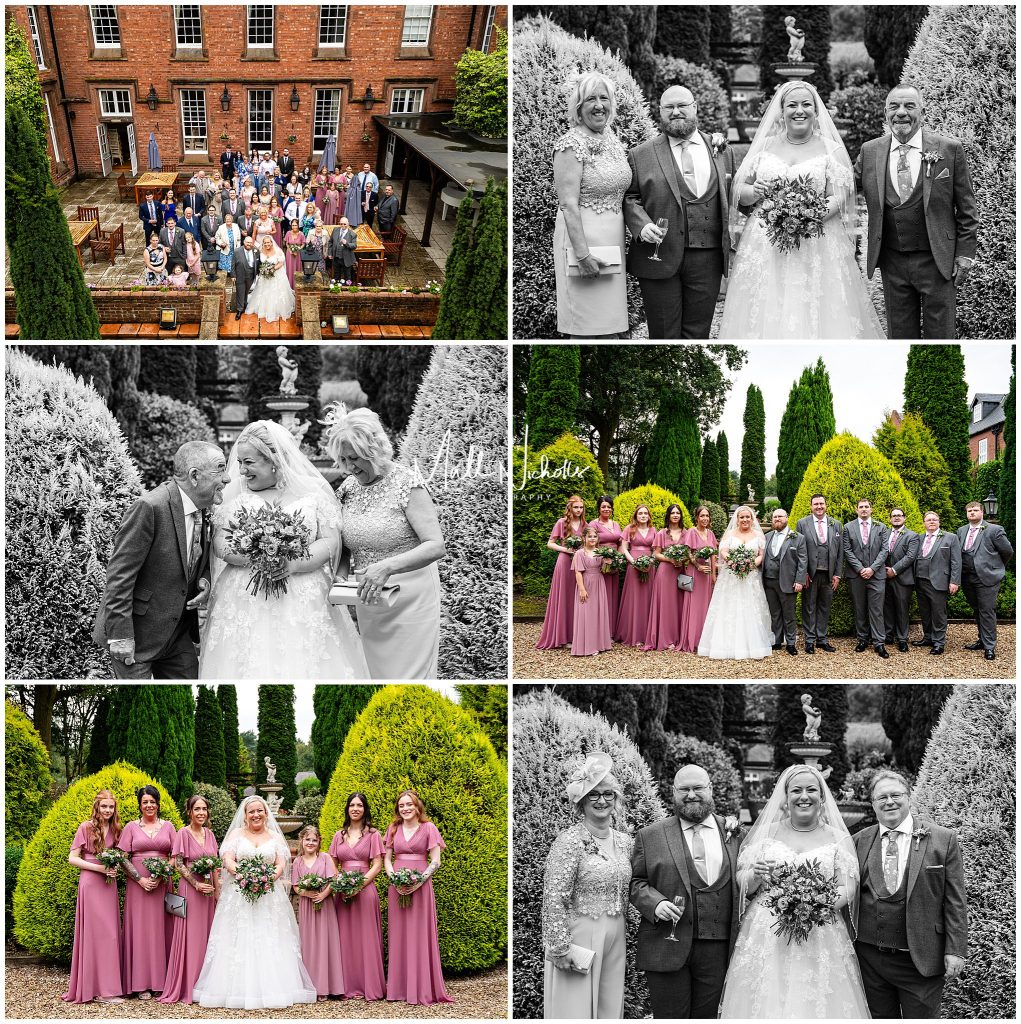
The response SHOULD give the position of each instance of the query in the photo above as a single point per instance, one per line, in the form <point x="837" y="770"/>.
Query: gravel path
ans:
<point x="628" y="663"/>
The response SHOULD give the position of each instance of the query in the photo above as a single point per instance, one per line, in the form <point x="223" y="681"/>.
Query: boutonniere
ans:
<point x="918" y="835"/>
<point x="929" y="158"/>
<point x="731" y="827"/>
<point x="718" y="143"/>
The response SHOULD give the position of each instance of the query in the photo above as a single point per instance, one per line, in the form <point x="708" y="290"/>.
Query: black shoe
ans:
<point x="881" y="651"/>
<point x="809" y="648"/>
<point x="827" y="647"/>
<point x="976" y="646"/>
<point x="862" y="646"/>
<point x="902" y="646"/>
<point x="777" y="647"/>
<point x="237" y="316"/>
<point x="791" y="649"/>
<point x="990" y="654"/>
<point x="889" y="640"/>
<point x="921" y="643"/>
<point x="936" y="649"/>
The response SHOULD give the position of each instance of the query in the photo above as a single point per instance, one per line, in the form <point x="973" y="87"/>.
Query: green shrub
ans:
<point x="987" y="478"/>
<point x="480" y="80"/>
<point x="657" y="498"/>
<point x="210" y="762"/>
<point x="12" y="861"/>
<point x="221" y="808"/>
<point x="165" y="424"/>
<point x="726" y="779"/>
<point x="44" y="900"/>
<point x="335" y="709"/>
<point x="27" y="777"/>
<point x="309" y="787"/>
<point x="310" y="807"/>
<point x="967" y="784"/>
<point x="411" y="737"/>
<point x="551" y="403"/>
<point x="170" y="370"/>
<point x="718" y="517"/>
<point x="861" y="109"/>
<point x="69" y="481"/>
<point x="771" y="505"/>
<point x="711" y="97"/>
<point x="1006" y="601"/>
<point x="488" y="703"/>
<point x="850" y="64"/>
<point x="550" y="739"/>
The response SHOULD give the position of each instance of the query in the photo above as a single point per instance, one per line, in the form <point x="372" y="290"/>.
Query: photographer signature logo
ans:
<point x="567" y="470"/>
<point x="447" y="466"/>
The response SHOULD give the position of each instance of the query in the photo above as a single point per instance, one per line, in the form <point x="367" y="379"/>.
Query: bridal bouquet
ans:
<point x="347" y="883"/>
<point x="267" y="269"/>
<point x="643" y="566"/>
<point x="269" y="538"/>
<point x="205" y="866"/>
<point x="677" y="552"/>
<point x="741" y="560"/>
<point x="313" y="883"/>
<point x="801" y="898"/>
<point x="254" y="877"/>
<point x="792" y="210"/>
<point x="114" y="857"/>
<point x="160" y="869"/>
<point x="406" y="876"/>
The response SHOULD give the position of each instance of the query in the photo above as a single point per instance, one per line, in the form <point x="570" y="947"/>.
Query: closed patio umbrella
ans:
<point x="329" y="160"/>
<point x="155" y="163"/>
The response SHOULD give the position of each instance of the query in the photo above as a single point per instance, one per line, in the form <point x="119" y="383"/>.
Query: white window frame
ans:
<point x="116" y="24"/>
<point x="414" y="15"/>
<point x="177" y="27"/>
<point x="37" y="38"/>
<point x="53" y="130"/>
<point x="319" y="122"/>
<point x="976" y="412"/>
<point x="261" y="144"/>
<point x="403" y="95"/>
<point x="272" y="26"/>
<point x="343" y="33"/>
<point x="198" y="98"/>
<point x="487" y="32"/>
<point x="983" y="450"/>
<point x="114" y="109"/>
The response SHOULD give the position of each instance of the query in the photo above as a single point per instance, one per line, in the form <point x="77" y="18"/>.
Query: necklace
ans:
<point x="793" y="143"/>
<point x="796" y="829"/>
<point x="595" y="835"/>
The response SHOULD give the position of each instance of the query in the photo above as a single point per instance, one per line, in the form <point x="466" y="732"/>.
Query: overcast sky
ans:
<point x="867" y="379"/>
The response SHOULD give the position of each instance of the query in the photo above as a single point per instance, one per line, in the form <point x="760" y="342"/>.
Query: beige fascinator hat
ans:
<point x="584" y="779"/>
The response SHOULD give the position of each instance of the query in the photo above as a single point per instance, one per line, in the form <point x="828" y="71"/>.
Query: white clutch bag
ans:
<point x="345" y="591"/>
<point x="582" y="958"/>
<point x="609" y="254"/>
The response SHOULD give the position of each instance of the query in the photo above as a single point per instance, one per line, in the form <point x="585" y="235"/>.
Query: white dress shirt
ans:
<point x="777" y="539"/>
<point x="914" y="157"/>
<point x="713" y="845"/>
<point x="699" y="157"/>
<point x="903" y="830"/>
<point x="825" y="526"/>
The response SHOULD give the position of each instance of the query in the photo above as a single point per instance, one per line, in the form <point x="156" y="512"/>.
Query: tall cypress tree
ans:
<point x="710" y="472"/>
<point x="210" y="761"/>
<point x="889" y="32"/>
<point x="823" y="393"/>
<point x="99" y="738"/>
<point x="695" y="710"/>
<point x="486" y="315"/>
<point x="1008" y="475"/>
<point x="922" y="468"/>
<point x="910" y="713"/>
<point x="488" y="703"/>
<point x="278" y="739"/>
<point x="144" y="730"/>
<point x="753" y="448"/>
<point x="227" y="698"/>
<point x="336" y="708"/>
<point x="689" y="450"/>
<point x="455" y="297"/>
<point x="177" y="757"/>
<point x="723" y="456"/>
<point x="663" y="455"/>
<point x="831" y="700"/>
<point x="792" y="445"/>
<point x="552" y="393"/>
<point x="683" y="31"/>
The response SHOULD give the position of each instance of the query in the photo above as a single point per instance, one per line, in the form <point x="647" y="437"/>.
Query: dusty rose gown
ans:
<point x="148" y="928"/>
<point x="292" y="260"/>
<point x="320" y="940"/>
<point x="188" y="945"/>
<point x="415" y="972"/>
<point x="636" y="598"/>
<point x="665" y="611"/>
<point x="360" y="921"/>
<point x="558" y="624"/>
<point x="696" y="603"/>
<point x="95" y="957"/>
<point x="591" y="618"/>
<point x="609" y="535"/>
<point x="331" y="206"/>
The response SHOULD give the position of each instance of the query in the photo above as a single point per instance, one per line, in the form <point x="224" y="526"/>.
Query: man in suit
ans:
<point x="246" y="270"/>
<point x="692" y="855"/>
<point x="937" y="576"/>
<point x="865" y="553"/>
<point x="388" y="210"/>
<point x="343" y="242"/>
<point x="912" y="906"/>
<point x="196" y="200"/>
<point x="784" y="567"/>
<point x="369" y="203"/>
<point x="150" y="213"/>
<point x="683" y="177"/>
<point x="174" y="243"/>
<point x="158" y="574"/>
<point x="228" y="164"/>
<point x="902" y="548"/>
<point x="233" y="205"/>
<point x="286" y="165"/>
<point x="824" y="546"/>
<point x="985" y="554"/>
<point x="208" y="227"/>
<point x="190" y="225"/>
<point x="923" y="219"/>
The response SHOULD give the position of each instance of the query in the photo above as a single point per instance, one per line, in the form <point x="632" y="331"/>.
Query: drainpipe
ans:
<point x="471" y="27"/>
<point x="63" y="94"/>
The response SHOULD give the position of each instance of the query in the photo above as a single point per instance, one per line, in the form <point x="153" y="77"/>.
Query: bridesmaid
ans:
<point x="331" y="203"/>
<point x="558" y="624"/>
<point x="317" y="925"/>
<point x="319" y="184"/>
<point x="609" y="534"/>
<point x="148" y="928"/>
<point x="591" y="612"/>
<point x="696" y="603"/>
<point x="636" y="599"/>
<point x="664" y="632"/>
<point x="277" y="216"/>
<point x="188" y="945"/>
<point x="292" y="260"/>
<point x="413" y="841"/>
<point x="359" y="847"/>
<point x="95" y="958"/>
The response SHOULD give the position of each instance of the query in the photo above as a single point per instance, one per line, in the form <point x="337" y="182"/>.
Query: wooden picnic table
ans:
<point x="80" y="231"/>
<point x="157" y="181"/>
<point x="370" y="245"/>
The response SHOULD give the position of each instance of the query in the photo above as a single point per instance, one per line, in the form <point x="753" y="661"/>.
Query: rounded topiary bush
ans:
<point x="861" y="108"/>
<point x="310" y="786"/>
<point x="164" y="425"/>
<point x="711" y="97"/>
<point x="221" y="808"/>
<point x="718" y="517"/>
<point x="551" y="737"/>
<point x="545" y="58"/>
<point x="726" y="779"/>
<point x="411" y="737"/>
<point x="27" y="777"/>
<point x="659" y="499"/>
<point x="69" y="481"/>
<point x="44" y="900"/>
<point x="963" y="61"/>
<point x="310" y="807"/>
<point x="12" y="862"/>
<point x="967" y="784"/>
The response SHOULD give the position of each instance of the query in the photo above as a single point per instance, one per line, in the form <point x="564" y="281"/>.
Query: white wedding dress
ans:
<point x="272" y="298"/>
<point x="737" y="623"/>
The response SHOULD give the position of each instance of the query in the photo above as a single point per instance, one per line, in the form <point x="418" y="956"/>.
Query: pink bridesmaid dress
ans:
<point x="191" y="933"/>
<point x="696" y="602"/>
<point x="360" y="921"/>
<point x="609" y="536"/>
<point x="148" y="928"/>
<point x="292" y="260"/>
<point x="415" y="973"/>
<point x="320" y="190"/>
<point x="636" y="599"/>
<point x="591" y="618"/>
<point x="331" y="206"/>
<point x="558" y="624"/>
<point x="95" y="957"/>
<point x="320" y="940"/>
<point x="665" y="609"/>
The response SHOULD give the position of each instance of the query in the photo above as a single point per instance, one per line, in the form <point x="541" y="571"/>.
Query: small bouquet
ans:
<point x="406" y="876"/>
<point x="608" y="554"/>
<point x="254" y="877"/>
<point x="677" y="552"/>
<point x="269" y="538"/>
<point x="791" y="210"/>
<point x="643" y="566"/>
<point x="741" y="560"/>
<point x="313" y="883"/>
<point x="205" y="866"/>
<point x="619" y="561"/>
<point x="114" y="857"/>
<point x="572" y="542"/>
<point x="801" y="898"/>
<point x="706" y="553"/>
<point x="160" y="869"/>
<point x="294" y="248"/>
<point x="347" y="884"/>
<point x="267" y="269"/>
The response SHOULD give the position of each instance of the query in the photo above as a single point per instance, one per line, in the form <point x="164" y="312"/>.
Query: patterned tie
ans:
<point x="688" y="166"/>
<point x="891" y="864"/>
<point x="698" y="852"/>
<point x="927" y="546"/>
<point x="904" y="184"/>
<point x="893" y="538"/>
<point x="971" y="538"/>
<point x="865" y="533"/>
<point x="822" y="531"/>
<point x="195" y="551"/>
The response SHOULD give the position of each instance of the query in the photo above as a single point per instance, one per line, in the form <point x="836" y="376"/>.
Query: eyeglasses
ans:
<point x="691" y="789"/>
<point x="676" y="106"/>
<point x="895" y="797"/>
<point x="601" y="796"/>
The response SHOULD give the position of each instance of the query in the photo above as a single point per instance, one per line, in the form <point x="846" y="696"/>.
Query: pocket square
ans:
<point x="945" y="173"/>
<point x="934" y="867"/>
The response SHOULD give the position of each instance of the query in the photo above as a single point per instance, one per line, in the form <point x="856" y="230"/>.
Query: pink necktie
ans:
<point x="971" y="538"/>
<point x="929" y="538"/>
<point x="865" y="533"/>
<point x="822" y="531"/>
<point x="893" y="539"/>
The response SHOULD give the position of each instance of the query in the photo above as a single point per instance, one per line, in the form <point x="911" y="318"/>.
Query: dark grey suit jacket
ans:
<point x="944" y="560"/>
<point x="991" y="551"/>
<point x="858" y="556"/>
<point x="793" y="560"/>
<point x="828" y="557"/>
<point x="902" y="558"/>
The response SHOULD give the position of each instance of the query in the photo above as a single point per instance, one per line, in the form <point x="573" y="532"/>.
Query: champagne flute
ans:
<point x="678" y="902"/>
<point x="662" y="223"/>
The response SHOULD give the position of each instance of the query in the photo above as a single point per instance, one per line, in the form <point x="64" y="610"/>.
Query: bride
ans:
<point x="769" y="977"/>
<point x="253" y="956"/>
<point x="737" y="623"/>
<point x="815" y="291"/>
<point x="272" y="298"/>
<point x="297" y="634"/>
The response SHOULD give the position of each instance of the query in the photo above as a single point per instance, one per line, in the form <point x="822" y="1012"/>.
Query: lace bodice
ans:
<point x="238" y="845"/>
<point x="375" y="523"/>
<point x="605" y="172"/>
<point x="822" y="169"/>
<point x="316" y="513"/>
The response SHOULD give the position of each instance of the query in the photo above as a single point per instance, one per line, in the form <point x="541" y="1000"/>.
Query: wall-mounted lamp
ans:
<point x="225" y="99"/>
<point x="152" y="99"/>
<point x="295" y="98"/>
<point x="369" y="98"/>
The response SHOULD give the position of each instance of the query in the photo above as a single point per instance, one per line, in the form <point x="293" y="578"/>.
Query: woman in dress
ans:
<point x="309" y="218"/>
<point x="558" y="622"/>
<point x="331" y="203"/>
<point x="249" y="192"/>
<point x="703" y="572"/>
<point x="193" y="257"/>
<point x="169" y="205"/>
<point x="667" y="606"/>
<point x="226" y="240"/>
<point x="359" y="847"/>
<point x="262" y="227"/>
<point x="297" y="634"/>
<point x="394" y="536"/>
<point x="636" y="597"/>
<point x="591" y="174"/>
<point x="319" y="241"/>
<point x="415" y="973"/>
<point x="253" y="958"/>
<point x="276" y="215"/>
<point x="148" y="929"/>
<point x="768" y="976"/>
<point x="191" y="932"/>
<point x="585" y="900"/>
<point x="591" y="611"/>
<point x="816" y="290"/>
<point x="96" y="953"/>
<point x="155" y="257"/>
<point x="609" y="535"/>
<point x="272" y="298"/>
<point x="737" y="625"/>
<point x="244" y="171"/>
<point x="317" y="925"/>
<point x="305" y="175"/>
<point x="294" y="242"/>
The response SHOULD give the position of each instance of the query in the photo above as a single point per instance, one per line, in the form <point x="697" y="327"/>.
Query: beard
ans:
<point x="694" y="810"/>
<point x="678" y="127"/>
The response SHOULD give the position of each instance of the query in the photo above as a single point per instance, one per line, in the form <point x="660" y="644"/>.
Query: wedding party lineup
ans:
<point x="510" y="511"/>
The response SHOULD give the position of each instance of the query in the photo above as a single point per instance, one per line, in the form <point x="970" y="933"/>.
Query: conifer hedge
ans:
<point x="227" y="698"/>
<point x="165" y="424"/>
<point x="277" y="738"/>
<point x="27" y="777"/>
<point x="912" y="451"/>
<point x="725" y="778"/>
<point x="488" y="703"/>
<point x="710" y="483"/>
<point x="753" y="447"/>
<point x="696" y="710"/>
<point x="552" y="398"/>
<point x="910" y="712"/>
<point x="169" y="370"/>
<point x="45" y="897"/>
<point x="411" y="737"/>
<point x="335" y="708"/>
<point x="221" y="808"/>
<point x="210" y="761"/>
<point x="390" y="375"/>
<point x="657" y="498"/>
<point x="723" y="455"/>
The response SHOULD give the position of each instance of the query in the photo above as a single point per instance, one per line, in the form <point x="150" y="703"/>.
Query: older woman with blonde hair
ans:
<point x="392" y="533"/>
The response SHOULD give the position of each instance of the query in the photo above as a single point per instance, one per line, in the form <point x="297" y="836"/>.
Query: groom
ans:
<point x="684" y="176"/>
<point x="694" y="856"/>
<point x="158" y="575"/>
<point x="784" y="567"/>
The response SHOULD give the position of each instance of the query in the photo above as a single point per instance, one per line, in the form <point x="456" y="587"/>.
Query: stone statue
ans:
<point x="299" y="430"/>
<point x="273" y="802"/>
<point x="271" y="769"/>
<point x="797" y="37"/>
<point x="813" y="719"/>
<point x="751" y="495"/>
<point x="288" y="370"/>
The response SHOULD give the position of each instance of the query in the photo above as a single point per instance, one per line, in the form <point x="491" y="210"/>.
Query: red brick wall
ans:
<point x="381" y="308"/>
<point x="986" y="435"/>
<point x="126" y="307"/>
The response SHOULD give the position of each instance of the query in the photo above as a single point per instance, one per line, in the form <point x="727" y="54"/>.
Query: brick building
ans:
<point x="259" y="74"/>
<point x="986" y="428"/>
